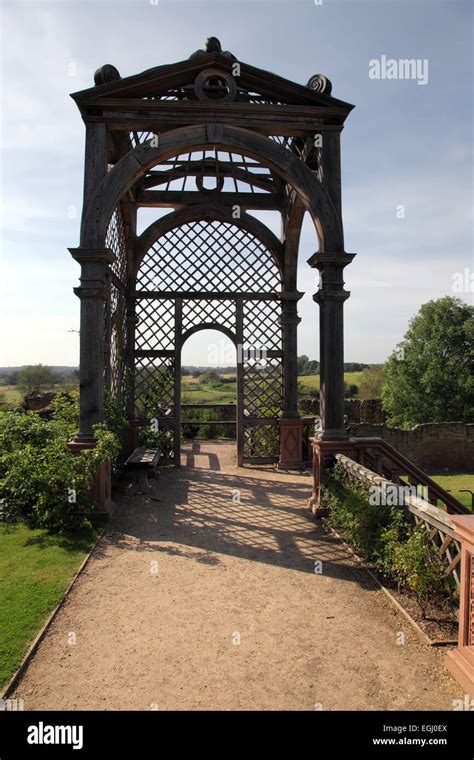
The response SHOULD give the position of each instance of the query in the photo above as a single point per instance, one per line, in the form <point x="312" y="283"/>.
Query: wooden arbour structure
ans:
<point x="209" y="142"/>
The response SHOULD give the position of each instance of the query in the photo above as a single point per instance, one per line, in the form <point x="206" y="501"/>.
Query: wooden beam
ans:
<point x="165" y="115"/>
<point x="181" y="199"/>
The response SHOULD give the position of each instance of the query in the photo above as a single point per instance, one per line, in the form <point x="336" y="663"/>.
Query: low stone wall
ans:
<point x="364" y="410"/>
<point x="356" y="410"/>
<point x="434" y="446"/>
<point x="38" y="400"/>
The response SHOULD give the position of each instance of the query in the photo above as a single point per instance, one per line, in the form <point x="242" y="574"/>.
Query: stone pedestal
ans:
<point x="460" y="661"/>
<point x="291" y="445"/>
<point x="323" y="455"/>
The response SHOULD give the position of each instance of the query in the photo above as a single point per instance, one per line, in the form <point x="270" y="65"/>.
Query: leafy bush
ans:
<point x="416" y="565"/>
<point x="351" y="513"/>
<point x="388" y="538"/>
<point x="41" y="481"/>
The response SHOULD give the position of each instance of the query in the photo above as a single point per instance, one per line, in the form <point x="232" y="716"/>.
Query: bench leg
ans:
<point x="140" y="482"/>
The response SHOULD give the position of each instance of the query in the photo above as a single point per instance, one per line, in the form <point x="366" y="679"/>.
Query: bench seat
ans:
<point x="143" y="461"/>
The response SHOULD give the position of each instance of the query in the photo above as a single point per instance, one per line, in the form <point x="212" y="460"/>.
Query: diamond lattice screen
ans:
<point x="208" y="257"/>
<point x="115" y="320"/>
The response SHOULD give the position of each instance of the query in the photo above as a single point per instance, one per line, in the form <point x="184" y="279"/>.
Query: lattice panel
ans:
<point x="115" y="315"/>
<point x="261" y="441"/>
<point x="116" y="241"/>
<point x="208" y="257"/>
<point x="137" y="138"/>
<point x="155" y="328"/>
<point x="201" y="171"/>
<point x="199" y="311"/>
<point x="261" y="324"/>
<point x="263" y="389"/>
<point x="154" y="387"/>
<point x="116" y="361"/>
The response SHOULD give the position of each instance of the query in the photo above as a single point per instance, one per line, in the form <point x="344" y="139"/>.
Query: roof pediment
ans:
<point x="197" y="78"/>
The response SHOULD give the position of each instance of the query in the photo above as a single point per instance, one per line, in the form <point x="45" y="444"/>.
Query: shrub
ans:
<point x="387" y="537"/>
<point x="416" y="565"/>
<point x="351" y="513"/>
<point x="41" y="481"/>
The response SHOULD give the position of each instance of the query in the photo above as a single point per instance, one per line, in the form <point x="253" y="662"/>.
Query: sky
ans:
<point x="407" y="165"/>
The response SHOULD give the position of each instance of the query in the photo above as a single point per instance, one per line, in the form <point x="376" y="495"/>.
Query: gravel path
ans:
<point x="208" y="599"/>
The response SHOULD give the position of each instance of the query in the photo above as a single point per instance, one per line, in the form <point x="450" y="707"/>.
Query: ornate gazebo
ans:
<point x="211" y="143"/>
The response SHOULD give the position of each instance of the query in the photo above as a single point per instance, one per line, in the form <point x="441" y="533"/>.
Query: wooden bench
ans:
<point x="142" y="462"/>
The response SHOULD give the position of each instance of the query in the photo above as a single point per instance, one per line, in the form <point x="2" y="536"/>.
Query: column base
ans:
<point x="291" y="445"/>
<point x="333" y="435"/>
<point x="101" y="486"/>
<point x="460" y="663"/>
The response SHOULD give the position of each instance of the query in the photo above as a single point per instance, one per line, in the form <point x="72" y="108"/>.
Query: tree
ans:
<point x="34" y="377"/>
<point x="370" y="383"/>
<point x="429" y="377"/>
<point x="305" y="366"/>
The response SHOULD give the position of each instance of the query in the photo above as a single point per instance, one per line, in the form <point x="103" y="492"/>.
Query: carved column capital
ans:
<point x="94" y="269"/>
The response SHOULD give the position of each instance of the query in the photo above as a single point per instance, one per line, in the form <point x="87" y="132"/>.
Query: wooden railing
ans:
<point x="377" y="455"/>
<point x="441" y="529"/>
<point x="381" y="457"/>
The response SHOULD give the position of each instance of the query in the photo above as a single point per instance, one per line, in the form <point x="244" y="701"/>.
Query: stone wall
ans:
<point x="38" y="400"/>
<point x="434" y="446"/>
<point x="355" y="409"/>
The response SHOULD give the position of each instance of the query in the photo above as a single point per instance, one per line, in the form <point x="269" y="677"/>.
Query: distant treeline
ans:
<point x="15" y="375"/>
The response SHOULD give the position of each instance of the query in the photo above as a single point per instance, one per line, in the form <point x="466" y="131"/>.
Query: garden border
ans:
<point x="396" y="604"/>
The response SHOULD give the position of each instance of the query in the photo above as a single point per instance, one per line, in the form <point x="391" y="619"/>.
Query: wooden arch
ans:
<point x="283" y="162"/>
<point x="209" y="212"/>
<point x="208" y="326"/>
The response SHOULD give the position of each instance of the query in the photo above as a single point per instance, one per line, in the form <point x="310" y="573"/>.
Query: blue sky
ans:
<point x="404" y="144"/>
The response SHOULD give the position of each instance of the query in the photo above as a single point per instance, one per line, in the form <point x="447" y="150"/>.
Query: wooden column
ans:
<point x="331" y="167"/>
<point x="289" y="322"/>
<point x="93" y="295"/>
<point x="330" y="297"/>
<point x="239" y="330"/>
<point x="178" y="330"/>
<point x="129" y="374"/>
<point x="95" y="162"/>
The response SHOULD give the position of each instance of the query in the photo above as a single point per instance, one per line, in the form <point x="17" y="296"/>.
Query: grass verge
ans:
<point x="36" y="568"/>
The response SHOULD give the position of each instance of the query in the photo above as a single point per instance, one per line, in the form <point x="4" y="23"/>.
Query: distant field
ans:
<point x="456" y="482"/>
<point x="311" y="382"/>
<point x="193" y="392"/>
<point x="10" y="394"/>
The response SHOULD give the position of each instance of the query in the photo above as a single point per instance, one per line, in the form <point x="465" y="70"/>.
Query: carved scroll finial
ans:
<point x="105" y="74"/>
<point x="320" y="83"/>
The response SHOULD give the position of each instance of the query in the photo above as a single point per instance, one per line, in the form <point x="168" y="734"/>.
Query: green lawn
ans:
<point x="456" y="482"/>
<point x="35" y="571"/>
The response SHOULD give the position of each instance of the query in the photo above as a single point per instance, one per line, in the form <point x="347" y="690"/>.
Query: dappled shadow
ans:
<point x="256" y="516"/>
<point x="77" y="541"/>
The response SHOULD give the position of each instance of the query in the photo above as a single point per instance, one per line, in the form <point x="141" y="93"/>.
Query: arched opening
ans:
<point x="210" y="274"/>
<point x="208" y="387"/>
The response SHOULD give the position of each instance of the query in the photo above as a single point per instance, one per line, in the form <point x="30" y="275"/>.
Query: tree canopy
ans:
<point x="35" y="377"/>
<point x="429" y="377"/>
